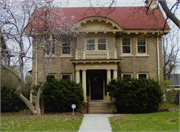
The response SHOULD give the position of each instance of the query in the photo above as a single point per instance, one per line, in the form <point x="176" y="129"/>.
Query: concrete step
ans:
<point x="99" y="107"/>
<point x="100" y="112"/>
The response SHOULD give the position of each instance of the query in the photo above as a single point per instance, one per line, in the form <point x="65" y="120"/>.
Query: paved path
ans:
<point x="96" y="123"/>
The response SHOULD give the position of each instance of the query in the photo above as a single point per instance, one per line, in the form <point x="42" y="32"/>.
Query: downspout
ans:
<point x="36" y="70"/>
<point x="158" y="61"/>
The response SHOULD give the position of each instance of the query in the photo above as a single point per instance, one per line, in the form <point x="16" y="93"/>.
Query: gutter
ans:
<point x="158" y="61"/>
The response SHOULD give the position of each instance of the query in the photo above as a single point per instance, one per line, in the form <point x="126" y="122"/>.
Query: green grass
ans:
<point x="162" y="121"/>
<point x="47" y="122"/>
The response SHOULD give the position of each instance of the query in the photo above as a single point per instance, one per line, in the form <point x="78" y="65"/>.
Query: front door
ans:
<point x="96" y="87"/>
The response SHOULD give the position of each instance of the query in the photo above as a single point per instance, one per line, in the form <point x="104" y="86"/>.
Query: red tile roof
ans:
<point x="126" y="17"/>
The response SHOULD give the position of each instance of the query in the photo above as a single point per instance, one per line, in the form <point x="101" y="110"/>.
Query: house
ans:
<point x="119" y="42"/>
<point x="172" y="91"/>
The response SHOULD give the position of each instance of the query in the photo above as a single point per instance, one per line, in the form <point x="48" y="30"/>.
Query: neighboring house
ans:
<point x="125" y="42"/>
<point x="173" y="90"/>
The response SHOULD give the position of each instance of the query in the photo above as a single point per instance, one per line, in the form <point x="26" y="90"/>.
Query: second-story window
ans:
<point x="53" y="49"/>
<point x="90" y="43"/>
<point x="66" y="46"/>
<point x="96" y="43"/>
<point x="101" y="43"/>
<point x="141" y="45"/>
<point x="126" y="46"/>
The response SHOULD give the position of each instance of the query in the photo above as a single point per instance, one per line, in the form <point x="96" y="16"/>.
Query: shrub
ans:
<point x="60" y="95"/>
<point x="9" y="101"/>
<point x="135" y="95"/>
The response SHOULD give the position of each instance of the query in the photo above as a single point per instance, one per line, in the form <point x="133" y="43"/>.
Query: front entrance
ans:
<point x="96" y="87"/>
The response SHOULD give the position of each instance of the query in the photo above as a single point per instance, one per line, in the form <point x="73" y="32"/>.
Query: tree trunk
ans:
<point x="26" y="101"/>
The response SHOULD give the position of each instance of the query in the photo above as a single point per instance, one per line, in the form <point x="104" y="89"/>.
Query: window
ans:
<point x="53" y="49"/>
<point x="101" y="43"/>
<point x="126" y="46"/>
<point x="50" y="77"/>
<point x="142" y="76"/>
<point x="90" y="44"/>
<point x="126" y="76"/>
<point x="141" y="45"/>
<point x="66" y="77"/>
<point x="97" y="43"/>
<point x="66" y="46"/>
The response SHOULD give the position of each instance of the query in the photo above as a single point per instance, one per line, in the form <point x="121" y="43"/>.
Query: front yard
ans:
<point x="47" y="122"/>
<point x="162" y="121"/>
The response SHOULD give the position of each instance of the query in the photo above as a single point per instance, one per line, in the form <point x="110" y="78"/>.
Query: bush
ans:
<point x="9" y="101"/>
<point x="135" y="95"/>
<point x="60" y="95"/>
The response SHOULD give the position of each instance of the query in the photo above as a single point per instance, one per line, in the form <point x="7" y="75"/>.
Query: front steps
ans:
<point x="101" y="107"/>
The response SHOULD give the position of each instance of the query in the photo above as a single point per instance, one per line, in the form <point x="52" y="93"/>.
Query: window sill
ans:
<point x="52" y="56"/>
<point x="126" y="55"/>
<point x="142" y="55"/>
<point x="65" y="56"/>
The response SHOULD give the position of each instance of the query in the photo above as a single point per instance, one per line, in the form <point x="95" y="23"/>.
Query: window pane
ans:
<point x="126" y="41"/>
<point x="142" y="76"/>
<point x="66" y="50"/>
<point x="50" y="77"/>
<point x="53" y="49"/>
<point x="141" y="41"/>
<point x="101" y="46"/>
<point x="141" y="49"/>
<point x="101" y="40"/>
<point x="90" y="47"/>
<point x="126" y="75"/>
<point x="90" y="40"/>
<point x="65" y="76"/>
<point x="126" y="49"/>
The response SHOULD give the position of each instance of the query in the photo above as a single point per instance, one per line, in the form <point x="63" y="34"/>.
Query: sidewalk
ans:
<point x="96" y="123"/>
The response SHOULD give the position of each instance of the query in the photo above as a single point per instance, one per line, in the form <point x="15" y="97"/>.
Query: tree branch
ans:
<point x="169" y="13"/>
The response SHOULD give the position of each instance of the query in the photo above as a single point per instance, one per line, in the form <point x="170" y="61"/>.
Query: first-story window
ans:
<point x="66" y="77"/>
<point x="50" y="77"/>
<point x="142" y="76"/>
<point x="126" y="46"/>
<point x="66" y="46"/>
<point x="141" y="45"/>
<point x="126" y="76"/>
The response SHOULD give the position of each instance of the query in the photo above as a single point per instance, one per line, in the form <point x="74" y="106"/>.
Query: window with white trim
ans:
<point x="126" y="45"/>
<point x="52" y="50"/>
<point x="141" y="46"/>
<point x="142" y="75"/>
<point x="50" y="77"/>
<point x="96" y="43"/>
<point x="66" y="46"/>
<point x="66" y="77"/>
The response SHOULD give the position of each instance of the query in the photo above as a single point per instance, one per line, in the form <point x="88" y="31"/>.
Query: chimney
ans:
<point x="151" y="4"/>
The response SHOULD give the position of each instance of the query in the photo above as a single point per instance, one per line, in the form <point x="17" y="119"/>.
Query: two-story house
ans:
<point x="119" y="42"/>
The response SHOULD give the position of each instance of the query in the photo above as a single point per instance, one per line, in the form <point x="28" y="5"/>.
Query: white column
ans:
<point x="77" y="76"/>
<point x="108" y="98"/>
<point x="107" y="53"/>
<point x="84" y="84"/>
<point x="114" y="73"/>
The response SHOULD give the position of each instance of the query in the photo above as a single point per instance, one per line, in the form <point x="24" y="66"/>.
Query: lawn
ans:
<point x="46" y="122"/>
<point x="161" y="121"/>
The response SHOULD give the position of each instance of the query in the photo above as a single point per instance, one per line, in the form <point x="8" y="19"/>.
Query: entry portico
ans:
<point x="94" y="75"/>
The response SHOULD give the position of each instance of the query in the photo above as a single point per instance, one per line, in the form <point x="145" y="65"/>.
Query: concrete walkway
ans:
<point x="96" y="123"/>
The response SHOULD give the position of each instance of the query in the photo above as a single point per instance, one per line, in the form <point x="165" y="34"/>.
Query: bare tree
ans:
<point x="14" y="18"/>
<point x="170" y="50"/>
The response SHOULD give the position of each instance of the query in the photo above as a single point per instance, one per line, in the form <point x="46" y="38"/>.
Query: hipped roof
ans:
<point x="128" y="18"/>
